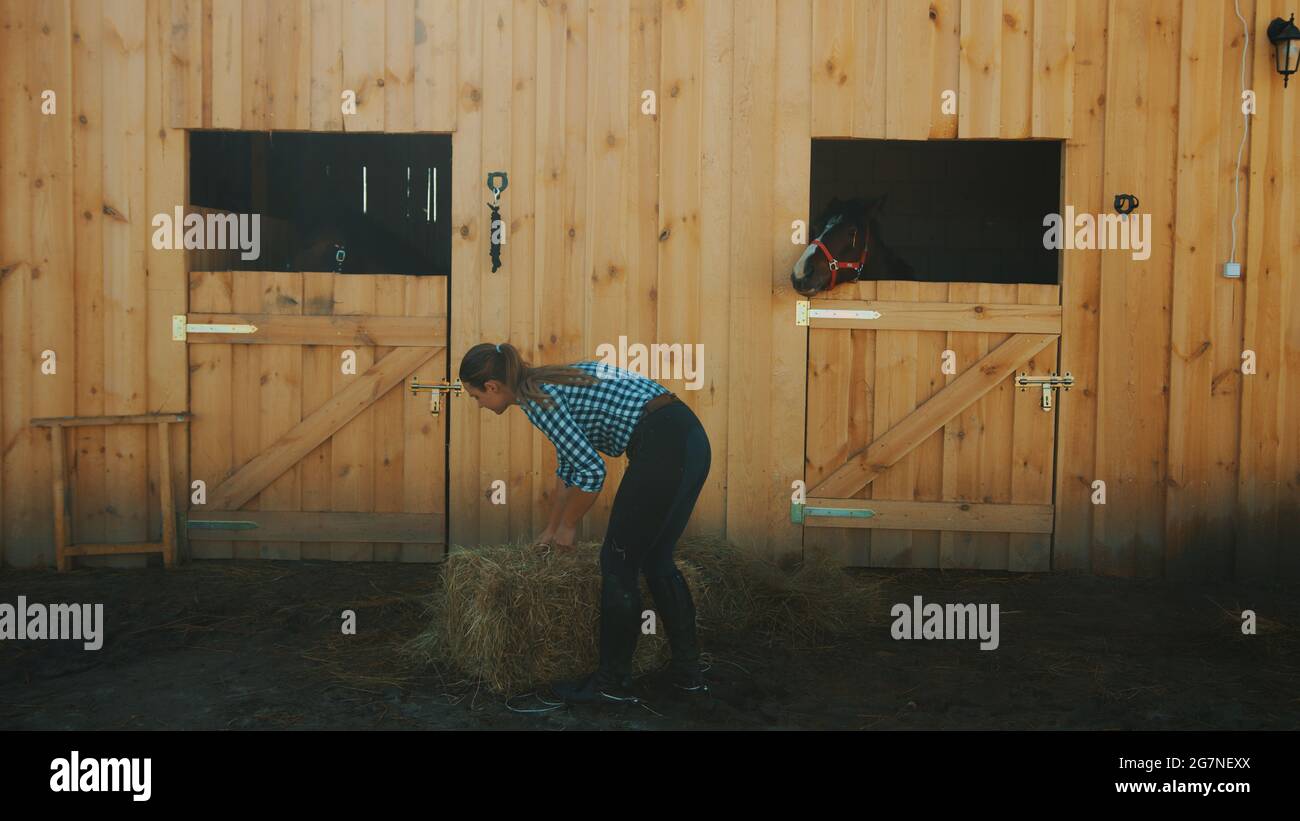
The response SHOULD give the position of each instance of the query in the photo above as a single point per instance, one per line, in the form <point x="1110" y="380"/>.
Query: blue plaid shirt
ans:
<point x="591" y="418"/>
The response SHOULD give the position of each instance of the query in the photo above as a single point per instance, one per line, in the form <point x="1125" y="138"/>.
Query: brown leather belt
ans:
<point x="650" y="407"/>
<point x="656" y="403"/>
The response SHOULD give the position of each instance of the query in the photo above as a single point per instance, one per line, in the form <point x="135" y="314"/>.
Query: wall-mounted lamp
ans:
<point x="1285" y="38"/>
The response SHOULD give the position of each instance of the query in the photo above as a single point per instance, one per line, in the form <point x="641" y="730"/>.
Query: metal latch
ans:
<point x="182" y="329"/>
<point x="435" y="399"/>
<point x="1049" y="383"/>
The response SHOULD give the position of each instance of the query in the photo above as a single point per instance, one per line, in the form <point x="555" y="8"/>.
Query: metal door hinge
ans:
<point x="799" y="512"/>
<point x="804" y="313"/>
<point x="181" y="328"/>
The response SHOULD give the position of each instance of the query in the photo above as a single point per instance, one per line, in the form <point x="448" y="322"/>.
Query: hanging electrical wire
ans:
<point x="1236" y="178"/>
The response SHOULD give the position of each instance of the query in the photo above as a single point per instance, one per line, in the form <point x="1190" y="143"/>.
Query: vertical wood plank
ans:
<point x="247" y="417"/>
<point x="910" y="69"/>
<point x="713" y="289"/>
<point x="1195" y="543"/>
<point x="524" y="481"/>
<point x="995" y="437"/>
<point x="364" y="27"/>
<point x="59" y="471"/>
<point x="896" y="371"/>
<point x="52" y="305"/>
<point x="928" y="455"/>
<point x="1076" y="467"/>
<point x="125" y="284"/>
<point x="830" y="371"/>
<point x="352" y="450"/>
<point x="495" y="299"/>
<point x="389" y="455"/>
<point x="947" y="66"/>
<point x="280" y="398"/>
<point x="1053" y="69"/>
<point x="609" y="104"/>
<point x="399" y="66"/>
<point x="1114" y="522"/>
<point x="787" y="372"/>
<point x="319" y="364"/>
<point x="1033" y="445"/>
<point x="212" y="399"/>
<point x="254" y="20"/>
<point x="761" y="462"/>
<point x="833" y="68"/>
<point x="979" y="99"/>
<point x="206" y="69"/>
<point x="1271" y="396"/>
<point x="468" y="252"/>
<point x="436" y="65"/>
<point x="183" y="63"/>
<point x="424" y="449"/>
<point x="166" y="366"/>
<point x="326" y="65"/>
<point x="1226" y="406"/>
<point x="679" y="183"/>
<point x="168" y="499"/>
<point x="227" y="64"/>
<point x="1155" y="284"/>
<point x="88" y="489"/>
<point x="17" y="370"/>
<point x="1017" y="69"/>
<point x="640" y="207"/>
<point x="871" y="41"/>
<point x="287" y="62"/>
<point x="961" y="466"/>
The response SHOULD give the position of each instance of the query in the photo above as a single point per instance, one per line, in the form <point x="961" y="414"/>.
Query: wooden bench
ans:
<point x="64" y="549"/>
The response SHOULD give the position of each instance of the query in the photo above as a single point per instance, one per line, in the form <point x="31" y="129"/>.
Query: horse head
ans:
<point x="847" y="247"/>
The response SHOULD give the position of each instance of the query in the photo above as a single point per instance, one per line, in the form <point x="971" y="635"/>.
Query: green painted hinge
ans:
<point x="220" y="524"/>
<point x="798" y="512"/>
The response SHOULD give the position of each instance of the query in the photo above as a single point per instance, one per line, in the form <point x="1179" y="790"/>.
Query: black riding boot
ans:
<point x="677" y="611"/>
<point x="620" y="622"/>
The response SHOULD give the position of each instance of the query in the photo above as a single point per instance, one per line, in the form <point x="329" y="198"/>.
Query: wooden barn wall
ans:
<point x="674" y="227"/>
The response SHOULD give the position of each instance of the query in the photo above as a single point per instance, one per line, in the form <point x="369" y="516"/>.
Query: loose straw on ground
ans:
<point x="511" y="617"/>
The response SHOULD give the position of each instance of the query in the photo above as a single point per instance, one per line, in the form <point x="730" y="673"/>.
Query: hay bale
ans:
<point x="511" y="618"/>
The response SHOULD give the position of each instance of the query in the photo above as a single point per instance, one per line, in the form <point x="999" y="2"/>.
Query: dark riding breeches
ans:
<point x="668" y="461"/>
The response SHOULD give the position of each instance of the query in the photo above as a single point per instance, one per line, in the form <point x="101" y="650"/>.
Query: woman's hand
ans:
<point x="564" y="538"/>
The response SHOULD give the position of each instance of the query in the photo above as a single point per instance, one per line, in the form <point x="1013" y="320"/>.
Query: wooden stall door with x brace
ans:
<point x="908" y="466"/>
<point x="303" y="458"/>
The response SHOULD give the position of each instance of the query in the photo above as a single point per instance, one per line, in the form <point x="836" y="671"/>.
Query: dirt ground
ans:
<point x="249" y="645"/>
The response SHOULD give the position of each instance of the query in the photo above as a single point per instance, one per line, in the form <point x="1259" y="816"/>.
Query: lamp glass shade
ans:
<point x="1285" y="38"/>
<point x="1288" y="56"/>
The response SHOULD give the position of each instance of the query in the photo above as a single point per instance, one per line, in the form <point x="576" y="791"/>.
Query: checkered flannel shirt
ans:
<point x="591" y="418"/>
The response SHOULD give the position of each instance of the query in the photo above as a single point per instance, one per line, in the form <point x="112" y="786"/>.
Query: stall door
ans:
<point x="304" y="434"/>
<point x="909" y="466"/>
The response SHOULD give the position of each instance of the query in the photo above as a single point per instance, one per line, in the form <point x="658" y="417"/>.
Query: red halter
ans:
<point x="836" y="264"/>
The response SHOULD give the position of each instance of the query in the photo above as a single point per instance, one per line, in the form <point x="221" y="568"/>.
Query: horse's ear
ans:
<point x="877" y="205"/>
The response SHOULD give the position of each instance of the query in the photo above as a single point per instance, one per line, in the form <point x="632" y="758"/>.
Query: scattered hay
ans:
<point x="511" y="617"/>
<point x="803" y="604"/>
<point x="1263" y="626"/>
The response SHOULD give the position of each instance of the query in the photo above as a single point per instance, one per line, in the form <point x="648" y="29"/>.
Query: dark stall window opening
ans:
<point x="954" y="210"/>
<point x="384" y="200"/>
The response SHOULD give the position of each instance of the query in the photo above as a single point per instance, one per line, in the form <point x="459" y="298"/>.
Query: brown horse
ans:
<point x="847" y="248"/>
